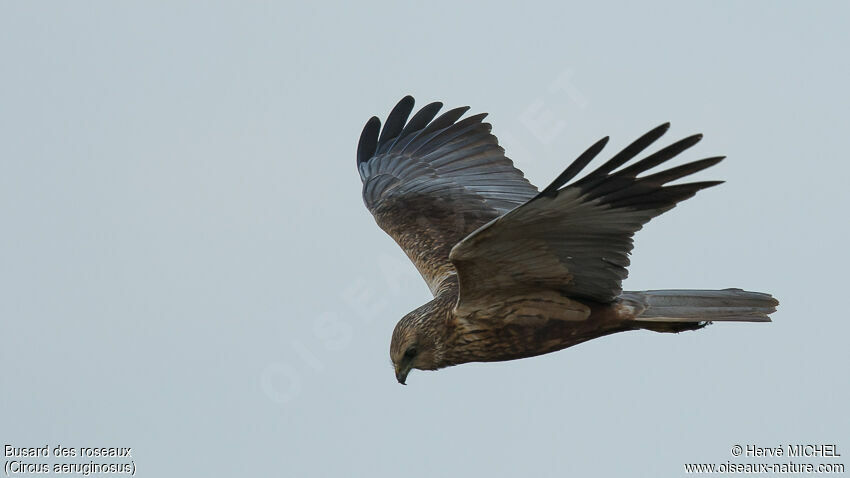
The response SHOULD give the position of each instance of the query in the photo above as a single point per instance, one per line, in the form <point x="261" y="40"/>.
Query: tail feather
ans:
<point x="689" y="306"/>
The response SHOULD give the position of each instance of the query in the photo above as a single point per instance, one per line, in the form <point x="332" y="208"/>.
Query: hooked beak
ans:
<point x="401" y="374"/>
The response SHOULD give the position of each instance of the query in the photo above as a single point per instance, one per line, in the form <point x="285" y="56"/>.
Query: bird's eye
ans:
<point x="410" y="353"/>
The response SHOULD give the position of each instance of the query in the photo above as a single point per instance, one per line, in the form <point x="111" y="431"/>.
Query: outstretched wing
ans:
<point x="576" y="239"/>
<point x="430" y="182"/>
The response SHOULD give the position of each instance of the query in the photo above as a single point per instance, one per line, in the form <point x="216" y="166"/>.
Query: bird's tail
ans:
<point x="677" y="310"/>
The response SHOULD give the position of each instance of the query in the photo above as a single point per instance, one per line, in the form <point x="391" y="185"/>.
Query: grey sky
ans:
<point x="187" y="267"/>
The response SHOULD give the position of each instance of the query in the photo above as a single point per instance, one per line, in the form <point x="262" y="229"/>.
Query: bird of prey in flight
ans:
<point x="515" y="271"/>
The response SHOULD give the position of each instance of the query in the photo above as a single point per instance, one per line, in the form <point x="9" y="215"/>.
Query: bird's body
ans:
<point x="525" y="325"/>
<point x="518" y="272"/>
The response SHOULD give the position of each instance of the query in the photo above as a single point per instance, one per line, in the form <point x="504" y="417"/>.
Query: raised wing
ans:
<point x="576" y="239"/>
<point x="430" y="182"/>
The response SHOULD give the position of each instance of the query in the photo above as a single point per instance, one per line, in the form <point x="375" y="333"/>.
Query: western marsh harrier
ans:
<point x="517" y="272"/>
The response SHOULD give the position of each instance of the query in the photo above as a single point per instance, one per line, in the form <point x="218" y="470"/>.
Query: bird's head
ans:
<point x="414" y="344"/>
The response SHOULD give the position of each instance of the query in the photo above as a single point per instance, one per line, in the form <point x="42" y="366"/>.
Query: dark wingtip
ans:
<point x="678" y="172"/>
<point x="396" y="119"/>
<point x="368" y="140"/>
<point x="447" y="119"/>
<point x="627" y="153"/>
<point x="574" y="168"/>
<point x="406" y="102"/>
<point x="661" y="156"/>
<point x="421" y="119"/>
<point x="692" y="140"/>
<point x="655" y="133"/>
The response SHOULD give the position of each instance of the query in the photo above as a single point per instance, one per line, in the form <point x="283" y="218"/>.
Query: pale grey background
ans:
<point x="187" y="268"/>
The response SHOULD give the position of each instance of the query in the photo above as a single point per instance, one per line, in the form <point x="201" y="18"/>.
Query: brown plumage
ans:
<point x="518" y="272"/>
